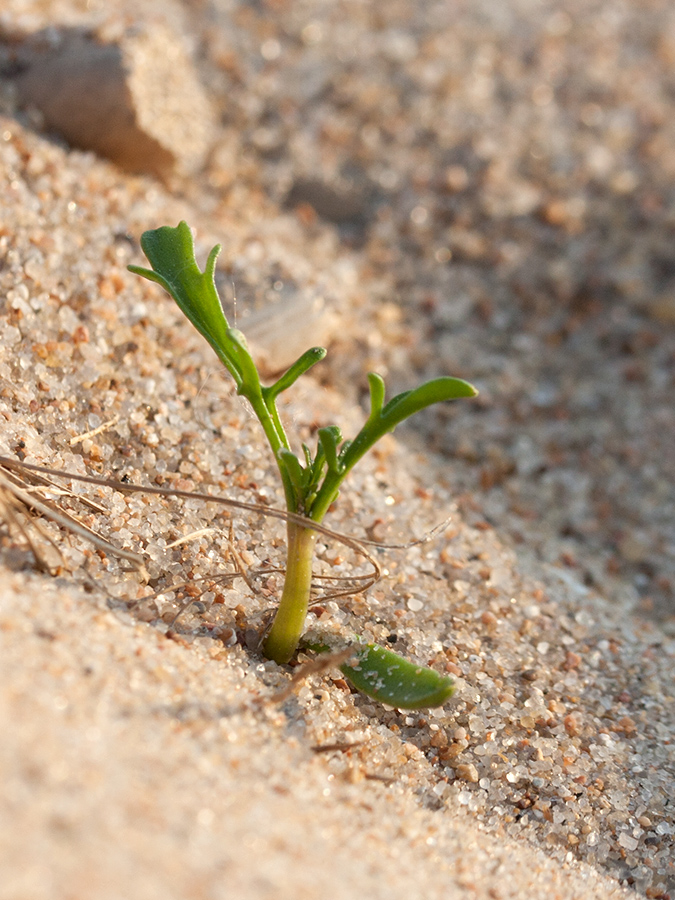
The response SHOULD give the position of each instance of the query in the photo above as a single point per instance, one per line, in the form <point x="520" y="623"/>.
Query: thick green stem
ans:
<point x="289" y="621"/>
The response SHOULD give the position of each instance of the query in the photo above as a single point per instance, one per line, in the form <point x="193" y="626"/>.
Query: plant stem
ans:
<point x="289" y="621"/>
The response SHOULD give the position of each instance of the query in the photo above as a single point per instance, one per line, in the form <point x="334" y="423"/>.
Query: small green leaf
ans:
<point x="174" y="267"/>
<point x="296" y="473"/>
<point x="409" y="402"/>
<point x="380" y="421"/>
<point x="317" y="465"/>
<point x="402" y="407"/>
<point x="384" y="675"/>
<point x="329" y="438"/>
<point x="377" y="392"/>
<point x="389" y="678"/>
<point x="308" y="359"/>
<point x="172" y="256"/>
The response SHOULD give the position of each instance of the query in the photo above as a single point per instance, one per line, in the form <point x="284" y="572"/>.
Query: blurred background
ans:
<point x="494" y="187"/>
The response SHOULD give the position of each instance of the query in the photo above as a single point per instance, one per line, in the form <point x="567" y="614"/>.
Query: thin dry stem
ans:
<point x="317" y="666"/>
<point x="25" y="495"/>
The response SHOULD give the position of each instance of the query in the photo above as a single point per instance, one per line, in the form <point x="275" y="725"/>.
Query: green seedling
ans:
<point x="312" y="482"/>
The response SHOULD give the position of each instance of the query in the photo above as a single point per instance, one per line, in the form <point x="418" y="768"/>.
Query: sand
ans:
<point x="145" y="757"/>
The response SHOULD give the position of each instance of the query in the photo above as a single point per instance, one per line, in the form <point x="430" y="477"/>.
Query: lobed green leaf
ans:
<point x="381" y="420"/>
<point x="172" y="256"/>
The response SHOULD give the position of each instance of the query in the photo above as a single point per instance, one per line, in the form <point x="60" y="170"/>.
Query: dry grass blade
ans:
<point x="317" y="666"/>
<point x="269" y="511"/>
<point x="239" y="563"/>
<point x="337" y="747"/>
<point x="13" y="512"/>
<point x="14" y="477"/>
<point x="30" y="481"/>
<point x="95" y="431"/>
<point x="193" y="536"/>
<point x="26" y="496"/>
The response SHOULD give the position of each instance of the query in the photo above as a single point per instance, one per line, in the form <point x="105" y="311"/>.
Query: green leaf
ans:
<point x="308" y="359"/>
<point x="384" y="675"/>
<point x="380" y="421"/>
<point x="402" y="407"/>
<point x="409" y="402"/>
<point x="329" y="438"/>
<point x="172" y="256"/>
<point x="174" y="267"/>
<point x="290" y="462"/>
<point x="307" y="453"/>
<point x="389" y="678"/>
<point x="377" y="392"/>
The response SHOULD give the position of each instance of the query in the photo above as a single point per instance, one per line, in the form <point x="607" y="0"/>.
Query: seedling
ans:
<point x="310" y="483"/>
